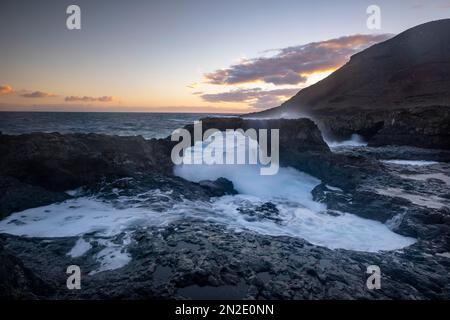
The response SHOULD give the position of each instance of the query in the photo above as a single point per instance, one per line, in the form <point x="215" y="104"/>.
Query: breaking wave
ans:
<point x="278" y="205"/>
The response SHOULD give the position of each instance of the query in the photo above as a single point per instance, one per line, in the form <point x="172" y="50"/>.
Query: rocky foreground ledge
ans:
<point x="197" y="259"/>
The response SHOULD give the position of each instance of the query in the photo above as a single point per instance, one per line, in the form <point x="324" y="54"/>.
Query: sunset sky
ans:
<point x="185" y="55"/>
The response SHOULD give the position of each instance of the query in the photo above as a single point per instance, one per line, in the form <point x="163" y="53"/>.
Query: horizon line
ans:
<point x="94" y="111"/>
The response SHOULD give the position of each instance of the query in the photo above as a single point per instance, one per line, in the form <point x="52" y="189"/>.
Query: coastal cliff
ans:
<point x="393" y="93"/>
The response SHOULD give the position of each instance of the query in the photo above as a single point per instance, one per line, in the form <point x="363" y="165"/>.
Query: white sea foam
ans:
<point x="355" y="141"/>
<point x="300" y="216"/>
<point x="289" y="190"/>
<point x="86" y="215"/>
<point x="410" y="162"/>
<point x="80" y="248"/>
<point x="344" y="231"/>
<point x="113" y="256"/>
<point x="76" y="217"/>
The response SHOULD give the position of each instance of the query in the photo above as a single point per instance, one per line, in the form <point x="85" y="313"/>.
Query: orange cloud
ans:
<point x="290" y="65"/>
<point x="256" y="97"/>
<point x="38" y="94"/>
<point x="89" y="99"/>
<point x="6" y="89"/>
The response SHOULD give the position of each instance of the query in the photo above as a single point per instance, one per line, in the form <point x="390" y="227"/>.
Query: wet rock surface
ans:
<point x="193" y="259"/>
<point x="17" y="196"/>
<point x="61" y="162"/>
<point x="17" y="281"/>
<point x="413" y="199"/>
<point x="424" y="127"/>
<point x="196" y="258"/>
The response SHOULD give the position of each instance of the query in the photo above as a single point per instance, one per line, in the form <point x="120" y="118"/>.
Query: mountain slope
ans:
<point x="394" y="93"/>
<point x="411" y="69"/>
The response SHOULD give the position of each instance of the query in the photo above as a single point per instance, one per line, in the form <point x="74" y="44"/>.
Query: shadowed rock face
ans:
<point x="388" y="80"/>
<point x="17" y="281"/>
<point x="17" y="196"/>
<point x="429" y="128"/>
<point x="423" y="127"/>
<point x="299" y="135"/>
<point x="36" y="169"/>
<point x="61" y="162"/>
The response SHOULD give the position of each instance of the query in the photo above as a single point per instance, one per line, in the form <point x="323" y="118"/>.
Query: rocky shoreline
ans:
<point x="192" y="258"/>
<point x="423" y="127"/>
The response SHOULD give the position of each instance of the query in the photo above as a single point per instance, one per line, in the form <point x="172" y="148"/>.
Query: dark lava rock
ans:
<point x="17" y="196"/>
<point x="265" y="211"/>
<point x="219" y="187"/>
<point x="17" y="281"/>
<point x="170" y="188"/>
<point x="424" y="127"/>
<point x="396" y="153"/>
<point x="420" y="127"/>
<point x="301" y="135"/>
<point x="196" y="259"/>
<point x="60" y="162"/>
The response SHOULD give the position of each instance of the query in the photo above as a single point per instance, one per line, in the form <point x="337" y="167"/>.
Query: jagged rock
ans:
<point x="196" y="259"/>
<point x="17" y="196"/>
<point x="60" y="162"/>
<point x="17" y="281"/>
<point x="301" y="135"/>
<point x="219" y="187"/>
<point x="265" y="211"/>
<point x="396" y="152"/>
<point x="420" y="127"/>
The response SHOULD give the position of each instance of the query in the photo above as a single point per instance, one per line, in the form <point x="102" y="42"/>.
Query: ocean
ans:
<point x="148" y="125"/>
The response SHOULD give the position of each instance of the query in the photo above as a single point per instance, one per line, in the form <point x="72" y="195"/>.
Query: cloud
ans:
<point x="291" y="65"/>
<point x="6" y="89"/>
<point x="192" y="85"/>
<point x="256" y="97"/>
<point x="89" y="99"/>
<point x="38" y="94"/>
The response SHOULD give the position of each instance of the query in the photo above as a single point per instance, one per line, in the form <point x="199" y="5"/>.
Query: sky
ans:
<point x="184" y="55"/>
